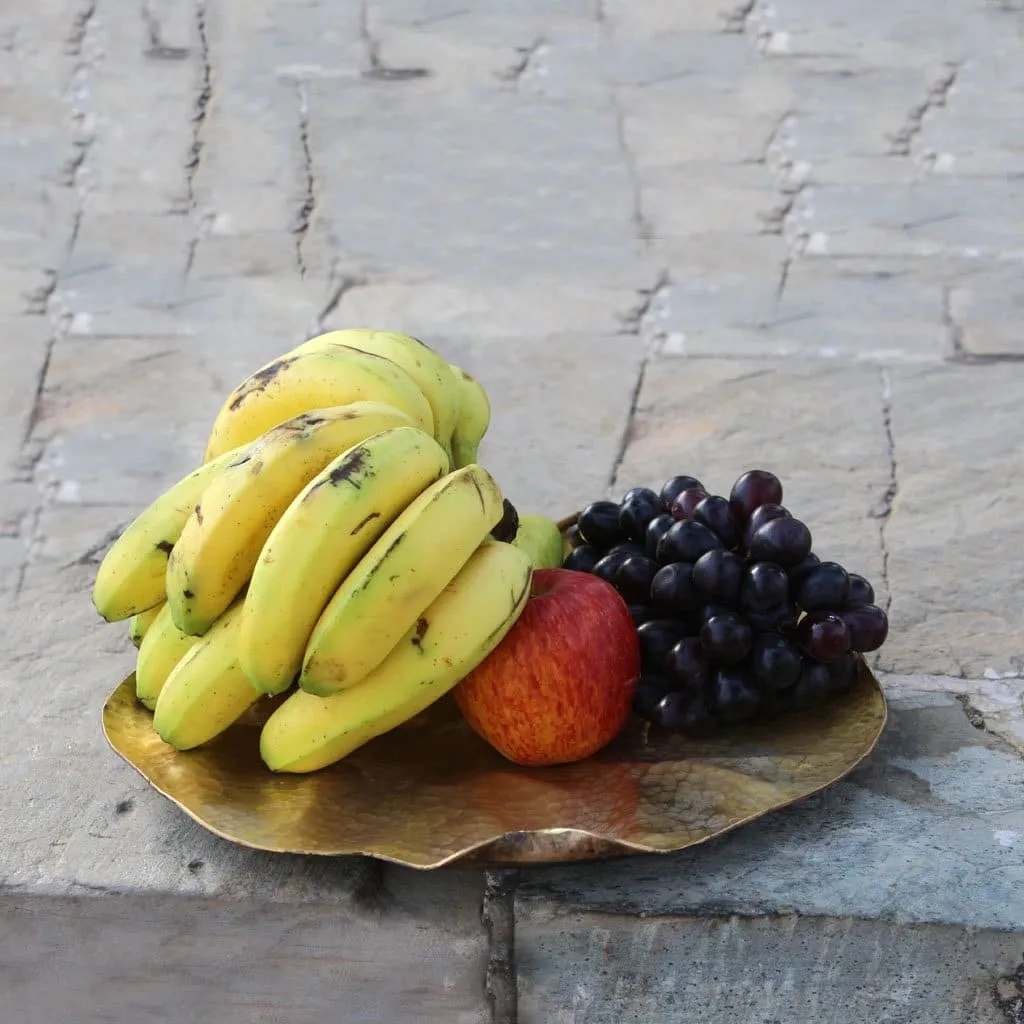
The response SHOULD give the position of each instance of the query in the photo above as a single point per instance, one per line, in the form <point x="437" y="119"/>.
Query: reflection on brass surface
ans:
<point x="432" y="792"/>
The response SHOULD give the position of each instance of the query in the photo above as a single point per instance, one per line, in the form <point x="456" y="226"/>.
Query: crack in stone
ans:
<point x="308" y="206"/>
<point x="346" y="284"/>
<point x="954" y="330"/>
<point x="93" y="554"/>
<point x="634" y="323"/>
<point x="518" y="68"/>
<point x="79" y="28"/>
<point x="738" y="19"/>
<point x="158" y="49"/>
<point x="497" y="913"/>
<point x="1008" y="995"/>
<point x="38" y="300"/>
<point x="901" y="141"/>
<point x="642" y="228"/>
<point x="200" y="110"/>
<point x="376" y="69"/>
<point x="882" y="511"/>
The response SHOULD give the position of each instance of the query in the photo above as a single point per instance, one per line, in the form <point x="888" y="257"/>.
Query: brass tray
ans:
<point x="431" y="793"/>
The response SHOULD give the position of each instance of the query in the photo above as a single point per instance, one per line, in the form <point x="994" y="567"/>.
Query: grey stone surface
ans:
<point x="714" y="234"/>
<point x="712" y="969"/>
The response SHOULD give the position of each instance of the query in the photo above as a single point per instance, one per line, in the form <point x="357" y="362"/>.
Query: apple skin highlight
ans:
<point x="560" y="685"/>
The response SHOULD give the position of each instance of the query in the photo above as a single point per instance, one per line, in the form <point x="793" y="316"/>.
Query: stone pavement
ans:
<point x="668" y="237"/>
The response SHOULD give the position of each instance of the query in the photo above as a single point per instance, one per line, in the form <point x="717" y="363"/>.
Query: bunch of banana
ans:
<point x="336" y="539"/>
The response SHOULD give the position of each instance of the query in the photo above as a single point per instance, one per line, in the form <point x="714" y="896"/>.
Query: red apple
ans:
<point x="560" y="685"/>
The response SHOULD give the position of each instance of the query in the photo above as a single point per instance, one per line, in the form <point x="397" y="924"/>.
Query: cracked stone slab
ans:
<point x="987" y="312"/>
<point x="511" y="187"/>
<point x="955" y="537"/>
<point x="817" y="425"/>
<point x="936" y="217"/>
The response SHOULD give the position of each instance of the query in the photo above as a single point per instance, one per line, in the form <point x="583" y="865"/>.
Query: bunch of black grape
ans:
<point x="737" y="618"/>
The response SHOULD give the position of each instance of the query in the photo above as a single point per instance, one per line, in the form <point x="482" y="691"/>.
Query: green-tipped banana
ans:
<point x="222" y="539"/>
<point x="130" y="578"/>
<point x="320" y="538"/>
<point x="207" y="691"/>
<point x="406" y="569"/>
<point x="474" y="418"/>
<point x="541" y="539"/>
<point x="453" y="635"/>
<point x="302" y="381"/>
<point x="430" y="372"/>
<point x="139" y="623"/>
<point x="163" y="646"/>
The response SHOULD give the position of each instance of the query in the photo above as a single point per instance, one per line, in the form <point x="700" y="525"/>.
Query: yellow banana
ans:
<point x="474" y="418"/>
<point x="222" y="539"/>
<point x="408" y="566"/>
<point x="130" y="578"/>
<point x="315" y="379"/>
<point x="139" y="623"/>
<point x="163" y="646"/>
<point x="207" y="691"/>
<point x="454" y="634"/>
<point x="431" y="373"/>
<point x="320" y="538"/>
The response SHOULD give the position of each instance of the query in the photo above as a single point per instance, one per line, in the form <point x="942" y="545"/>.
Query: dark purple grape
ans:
<point x="572" y="536"/>
<point x="775" y="703"/>
<point x="657" y="638"/>
<point x="734" y="697"/>
<point x="697" y="719"/>
<point x="798" y="573"/>
<point x="633" y="577"/>
<point x="727" y="638"/>
<point x="775" y="661"/>
<point x="861" y="592"/>
<point x="641" y="494"/>
<point x="765" y="585"/>
<point x="599" y="524"/>
<point x="671" y="489"/>
<point x="717" y="576"/>
<point x="824" y="588"/>
<point x="686" y="502"/>
<point x="669" y="712"/>
<point x="814" y="686"/>
<point x="783" y="541"/>
<point x="642" y="613"/>
<point x="763" y="514"/>
<point x="709" y="611"/>
<point x="656" y="529"/>
<point x="634" y="516"/>
<point x="672" y="587"/>
<point x="686" y="542"/>
<point x="823" y="635"/>
<point x="582" y="559"/>
<point x="755" y="488"/>
<point x="868" y="626"/>
<point x="607" y="566"/>
<point x="649" y="691"/>
<point x="843" y="672"/>
<point x="625" y="548"/>
<point x="687" y="663"/>
<point x="714" y="512"/>
<point x="781" y="619"/>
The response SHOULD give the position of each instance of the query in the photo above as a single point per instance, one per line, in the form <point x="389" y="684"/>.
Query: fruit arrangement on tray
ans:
<point x="341" y="551"/>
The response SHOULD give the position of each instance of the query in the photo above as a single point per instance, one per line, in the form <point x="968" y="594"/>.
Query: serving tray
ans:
<point x="431" y="793"/>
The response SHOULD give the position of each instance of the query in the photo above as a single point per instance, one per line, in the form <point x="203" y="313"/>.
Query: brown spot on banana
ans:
<point x="479" y="493"/>
<point x="188" y="594"/>
<point x="199" y="514"/>
<point x="259" y="380"/>
<point x="165" y="546"/>
<point x="369" y="519"/>
<point x="422" y="625"/>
